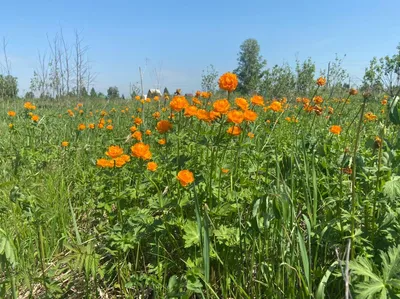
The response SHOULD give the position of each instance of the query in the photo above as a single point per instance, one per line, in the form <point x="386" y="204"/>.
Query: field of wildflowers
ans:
<point x="202" y="197"/>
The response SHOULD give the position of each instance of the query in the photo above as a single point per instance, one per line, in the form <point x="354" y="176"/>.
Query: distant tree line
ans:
<point x="66" y="71"/>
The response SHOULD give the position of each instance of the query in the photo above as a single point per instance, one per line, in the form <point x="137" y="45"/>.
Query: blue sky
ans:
<point x="182" y="37"/>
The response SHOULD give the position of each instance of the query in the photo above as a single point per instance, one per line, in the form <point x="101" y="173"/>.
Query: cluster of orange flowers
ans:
<point x="29" y="106"/>
<point x="117" y="158"/>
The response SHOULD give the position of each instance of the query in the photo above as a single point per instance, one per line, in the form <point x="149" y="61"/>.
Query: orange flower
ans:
<point x="110" y="127"/>
<point x="378" y="142"/>
<point x="121" y="160"/>
<point x="384" y="102"/>
<point x="203" y="115"/>
<point x="242" y="103"/>
<point x="205" y="94"/>
<point x="163" y="126"/>
<point x="91" y="126"/>
<point x="330" y="110"/>
<point x="321" y="81"/>
<point x="100" y="125"/>
<point x="137" y="135"/>
<point x="162" y="141"/>
<point x="214" y="115"/>
<point x="64" y="143"/>
<point x="103" y="113"/>
<point x="81" y="127"/>
<point x="29" y="106"/>
<point x="335" y="129"/>
<point x="105" y="163"/>
<point x="178" y="103"/>
<point x="156" y="98"/>
<point x="228" y="82"/>
<point x="275" y="106"/>
<point x="224" y="170"/>
<point x="109" y="121"/>
<point x="133" y="129"/>
<point x="196" y="101"/>
<point x="288" y="119"/>
<point x="185" y="177"/>
<point x="318" y="100"/>
<point x="152" y="166"/>
<point x="137" y="98"/>
<point x="141" y="151"/>
<point x="353" y="92"/>
<point x="317" y="109"/>
<point x="257" y="100"/>
<point x="235" y="116"/>
<point x="11" y="113"/>
<point x="138" y="121"/>
<point x="197" y="94"/>
<point x="35" y="118"/>
<point x="251" y="135"/>
<point x="370" y="116"/>
<point x="190" y="111"/>
<point x="156" y="115"/>
<point x="250" y="115"/>
<point x="114" y="151"/>
<point x="79" y="105"/>
<point x="221" y="106"/>
<point x="148" y="132"/>
<point x="234" y="130"/>
<point x="305" y="101"/>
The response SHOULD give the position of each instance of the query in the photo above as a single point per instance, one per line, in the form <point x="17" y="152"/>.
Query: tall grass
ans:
<point x="267" y="216"/>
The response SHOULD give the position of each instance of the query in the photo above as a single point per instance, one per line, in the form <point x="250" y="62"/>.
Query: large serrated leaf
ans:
<point x="191" y="235"/>
<point x="392" y="188"/>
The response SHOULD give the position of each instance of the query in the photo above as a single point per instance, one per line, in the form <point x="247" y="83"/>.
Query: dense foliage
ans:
<point x="176" y="197"/>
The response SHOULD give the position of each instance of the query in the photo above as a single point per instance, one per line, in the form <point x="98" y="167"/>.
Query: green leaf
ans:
<point x="228" y="236"/>
<point x="194" y="284"/>
<point x="392" y="188"/>
<point x="391" y="263"/>
<point x="320" y="294"/>
<point x="304" y="257"/>
<point x="191" y="235"/>
<point x="173" y="285"/>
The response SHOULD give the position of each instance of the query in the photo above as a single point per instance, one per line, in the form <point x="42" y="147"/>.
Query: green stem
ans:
<point x="41" y="256"/>
<point x="353" y="176"/>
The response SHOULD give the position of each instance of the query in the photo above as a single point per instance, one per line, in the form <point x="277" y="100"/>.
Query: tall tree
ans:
<point x="209" y="79"/>
<point x="305" y="76"/>
<point x="93" y="93"/>
<point x="250" y="68"/>
<point x="112" y="92"/>
<point x="383" y="74"/>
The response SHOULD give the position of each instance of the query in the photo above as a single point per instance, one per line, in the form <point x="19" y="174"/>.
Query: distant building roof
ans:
<point x="153" y="90"/>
